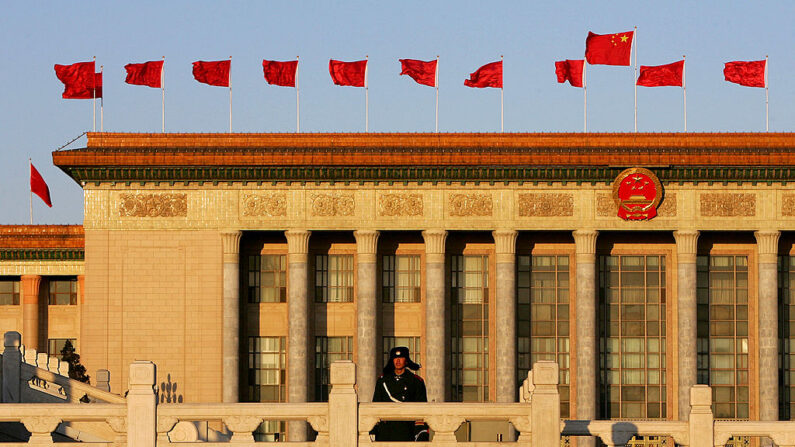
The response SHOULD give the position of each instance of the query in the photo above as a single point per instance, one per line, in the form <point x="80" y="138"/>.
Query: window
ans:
<point x="327" y="351"/>
<point x="63" y="292"/>
<point x="334" y="278"/>
<point x="543" y="317"/>
<point x="56" y="345"/>
<point x="267" y="279"/>
<point x="632" y="317"/>
<point x="413" y="343"/>
<point x="470" y="328"/>
<point x="9" y="292"/>
<point x="401" y="279"/>
<point x="267" y="364"/>
<point x="722" y="288"/>
<point x="786" y="329"/>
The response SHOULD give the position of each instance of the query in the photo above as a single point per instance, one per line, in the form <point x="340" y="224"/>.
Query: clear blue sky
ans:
<point x="34" y="120"/>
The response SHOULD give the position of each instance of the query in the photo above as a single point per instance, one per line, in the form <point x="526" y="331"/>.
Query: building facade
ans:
<point x="243" y="264"/>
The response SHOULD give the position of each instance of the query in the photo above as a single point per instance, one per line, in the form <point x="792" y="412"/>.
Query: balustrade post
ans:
<point x="142" y="405"/>
<point x="242" y="427"/>
<point x="12" y="360"/>
<point x="702" y="427"/>
<point x="103" y="379"/>
<point x="545" y="404"/>
<point x="343" y="408"/>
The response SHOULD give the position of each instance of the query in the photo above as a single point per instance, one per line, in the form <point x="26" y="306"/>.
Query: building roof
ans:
<point x="424" y="156"/>
<point x="41" y="242"/>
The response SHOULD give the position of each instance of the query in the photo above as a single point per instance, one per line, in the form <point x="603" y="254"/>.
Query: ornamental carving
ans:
<point x="788" y="205"/>
<point x="41" y="424"/>
<point x="546" y="205"/>
<point x="153" y="205"/>
<point x="728" y="205"/>
<point x="265" y="205"/>
<point x="637" y="193"/>
<point x="393" y="205"/>
<point x="463" y="205"/>
<point x="668" y="206"/>
<point x="326" y="205"/>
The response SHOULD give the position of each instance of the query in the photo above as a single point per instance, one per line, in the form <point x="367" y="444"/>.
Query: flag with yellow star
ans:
<point x="609" y="49"/>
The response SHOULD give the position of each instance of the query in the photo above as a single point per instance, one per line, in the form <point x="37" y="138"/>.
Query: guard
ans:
<point x="398" y="384"/>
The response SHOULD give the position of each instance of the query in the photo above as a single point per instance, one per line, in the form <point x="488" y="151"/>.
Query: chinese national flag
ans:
<point x="212" y="73"/>
<point x="97" y="85"/>
<point x="38" y="186"/>
<point x="749" y="74"/>
<point x="570" y="70"/>
<point x="609" y="49"/>
<point x="280" y="73"/>
<point x="489" y="75"/>
<point x="147" y="73"/>
<point x="661" y="75"/>
<point x="79" y="80"/>
<point x="422" y="72"/>
<point x="348" y="73"/>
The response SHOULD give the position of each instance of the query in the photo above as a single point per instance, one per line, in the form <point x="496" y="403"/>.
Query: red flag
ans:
<point x="489" y="75"/>
<point x="661" y="75"/>
<point x="97" y="85"/>
<point x="212" y="73"/>
<point x="570" y="70"/>
<point x="148" y="73"/>
<point x="422" y="72"/>
<point x="78" y="80"/>
<point x="749" y="74"/>
<point x="280" y="73"/>
<point x="38" y="186"/>
<point x="348" y="73"/>
<point x="609" y="49"/>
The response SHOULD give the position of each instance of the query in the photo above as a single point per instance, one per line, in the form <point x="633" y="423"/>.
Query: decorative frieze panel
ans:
<point x="327" y="205"/>
<point x="468" y="205"/>
<point x="788" y="205"/>
<point x="546" y="205"/>
<point x="264" y="205"/>
<point x="606" y="206"/>
<point x="400" y="205"/>
<point x="728" y="205"/>
<point x="153" y="205"/>
<point x="668" y="206"/>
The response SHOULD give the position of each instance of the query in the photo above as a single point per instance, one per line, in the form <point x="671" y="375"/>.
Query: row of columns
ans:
<point x="436" y="362"/>
<point x="30" y="290"/>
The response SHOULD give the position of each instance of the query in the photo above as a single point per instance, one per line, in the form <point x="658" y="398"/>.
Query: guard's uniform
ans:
<point x="407" y="387"/>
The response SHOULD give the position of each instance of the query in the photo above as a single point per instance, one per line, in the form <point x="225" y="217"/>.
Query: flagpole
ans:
<point x="297" y="100"/>
<point x="502" y="113"/>
<point x="30" y="172"/>
<point x="684" y="88"/>
<point x="101" y="102"/>
<point x="584" y="98"/>
<point x="366" y="96"/>
<point x="767" y="100"/>
<point x="436" y="82"/>
<point x="230" y="94"/>
<point x="163" y="90"/>
<point x="94" y="92"/>
<point x="635" y="74"/>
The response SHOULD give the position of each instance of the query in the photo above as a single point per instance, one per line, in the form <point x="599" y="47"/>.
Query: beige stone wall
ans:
<point x="155" y="295"/>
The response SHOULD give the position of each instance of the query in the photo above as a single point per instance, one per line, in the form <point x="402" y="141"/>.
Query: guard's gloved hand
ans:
<point x="421" y="432"/>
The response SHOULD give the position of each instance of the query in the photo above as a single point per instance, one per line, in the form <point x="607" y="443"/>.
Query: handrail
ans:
<point x="65" y="412"/>
<point x="218" y="411"/>
<point x="71" y="385"/>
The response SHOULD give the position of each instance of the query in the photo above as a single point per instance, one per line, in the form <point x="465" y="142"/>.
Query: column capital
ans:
<point x="230" y="241"/>
<point x="505" y="245"/>
<point x="434" y="245"/>
<point x="767" y="245"/>
<point x="366" y="244"/>
<point x="686" y="245"/>
<point x="585" y="241"/>
<point x="30" y="281"/>
<point x="297" y="241"/>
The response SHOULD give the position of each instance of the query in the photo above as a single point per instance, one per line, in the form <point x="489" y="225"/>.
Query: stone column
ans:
<point x="230" y="332"/>
<point x="767" y="268"/>
<point x="586" y="348"/>
<point x="367" y="312"/>
<point x="30" y="285"/>
<point x="435" y="322"/>
<point x="687" y="312"/>
<point x="142" y="405"/>
<point x="505" y="247"/>
<point x="298" y="352"/>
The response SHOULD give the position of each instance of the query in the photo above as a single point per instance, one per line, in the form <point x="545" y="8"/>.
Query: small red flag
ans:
<point x="489" y="75"/>
<point x="570" y="70"/>
<point x="38" y="186"/>
<point x="280" y="73"/>
<point x="609" y="49"/>
<point x="212" y="73"/>
<point x="147" y="73"/>
<point x="749" y="74"/>
<point x="661" y="75"/>
<point x="348" y="73"/>
<point x="79" y="80"/>
<point x="97" y="85"/>
<point x="422" y="72"/>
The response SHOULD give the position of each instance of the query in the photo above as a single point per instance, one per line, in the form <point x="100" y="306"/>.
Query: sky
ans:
<point x="531" y="35"/>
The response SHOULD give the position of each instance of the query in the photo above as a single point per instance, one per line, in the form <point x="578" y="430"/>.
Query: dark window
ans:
<point x="9" y="292"/>
<point x="63" y="292"/>
<point x="327" y="351"/>
<point x="401" y="279"/>
<point x="267" y="279"/>
<point x="334" y="278"/>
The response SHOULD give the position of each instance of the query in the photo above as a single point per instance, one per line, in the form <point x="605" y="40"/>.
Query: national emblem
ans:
<point x="637" y="193"/>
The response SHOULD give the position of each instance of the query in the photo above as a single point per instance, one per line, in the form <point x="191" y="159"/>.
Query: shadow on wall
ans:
<point x="168" y="392"/>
